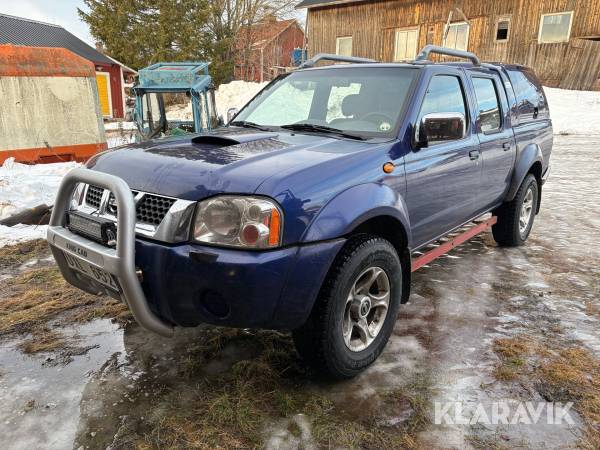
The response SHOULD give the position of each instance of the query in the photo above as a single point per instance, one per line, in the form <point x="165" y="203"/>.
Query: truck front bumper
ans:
<point x="165" y="285"/>
<point x="191" y="284"/>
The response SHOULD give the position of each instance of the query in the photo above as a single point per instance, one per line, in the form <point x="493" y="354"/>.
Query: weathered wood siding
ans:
<point x="372" y="24"/>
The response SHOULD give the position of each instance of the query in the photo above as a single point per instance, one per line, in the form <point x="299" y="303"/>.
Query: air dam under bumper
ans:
<point x="190" y="284"/>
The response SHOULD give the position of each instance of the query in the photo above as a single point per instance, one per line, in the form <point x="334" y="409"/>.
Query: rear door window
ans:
<point x="531" y="102"/>
<point x="490" y="118"/>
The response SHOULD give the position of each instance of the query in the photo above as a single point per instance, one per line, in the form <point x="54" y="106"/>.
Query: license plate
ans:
<point x="99" y="275"/>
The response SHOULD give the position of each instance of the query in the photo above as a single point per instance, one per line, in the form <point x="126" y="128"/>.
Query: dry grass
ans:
<point x="234" y="408"/>
<point x="14" y="255"/>
<point x="574" y="376"/>
<point x="513" y="353"/>
<point x="42" y="340"/>
<point x="36" y="296"/>
<point x="570" y="374"/>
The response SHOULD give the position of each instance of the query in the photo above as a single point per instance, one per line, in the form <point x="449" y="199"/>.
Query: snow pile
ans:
<point x="574" y="112"/>
<point x="21" y="233"/>
<point x="235" y="95"/>
<point x="180" y="111"/>
<point x="26" y="186"/>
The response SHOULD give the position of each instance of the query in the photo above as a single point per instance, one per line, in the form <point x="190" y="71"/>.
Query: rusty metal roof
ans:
<point x="20" y="31"/>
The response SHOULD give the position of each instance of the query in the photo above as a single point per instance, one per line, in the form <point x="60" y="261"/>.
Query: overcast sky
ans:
<point x="58" y="12"/>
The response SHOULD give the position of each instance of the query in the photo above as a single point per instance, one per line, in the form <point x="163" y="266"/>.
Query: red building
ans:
<point x="264" y="50"/>
<point x="110" y="73"/>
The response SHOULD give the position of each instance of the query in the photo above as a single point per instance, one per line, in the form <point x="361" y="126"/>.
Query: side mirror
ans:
<point x="440" y="127"/>
<point x="231" y="113"/>
<point x="220" y="121"/>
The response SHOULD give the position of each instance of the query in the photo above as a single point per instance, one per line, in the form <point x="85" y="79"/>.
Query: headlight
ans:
<point x="239" y="221"/>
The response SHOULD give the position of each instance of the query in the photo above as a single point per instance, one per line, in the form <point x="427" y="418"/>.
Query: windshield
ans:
<point x="364" y="101"/>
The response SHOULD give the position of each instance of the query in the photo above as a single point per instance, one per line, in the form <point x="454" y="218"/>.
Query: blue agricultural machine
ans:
<point x="173" y="99"/>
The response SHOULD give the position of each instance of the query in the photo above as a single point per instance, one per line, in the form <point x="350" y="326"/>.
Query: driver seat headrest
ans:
<point x="351" y="105"/>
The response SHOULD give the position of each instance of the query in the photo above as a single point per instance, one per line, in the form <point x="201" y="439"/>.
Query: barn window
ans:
<point x="555" y="27"/>
<point x="343" y="46"/>
<point x="502" y="29"/>
<point x="405" y="45"/>
<point x="457" y="36"/>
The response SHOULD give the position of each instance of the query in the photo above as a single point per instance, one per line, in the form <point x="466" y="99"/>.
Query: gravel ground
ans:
<point x="128" y="388"/>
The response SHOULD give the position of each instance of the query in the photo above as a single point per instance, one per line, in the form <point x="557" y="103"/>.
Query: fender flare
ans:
<point x="354" y="206"/>
<point x="526" y="158"/>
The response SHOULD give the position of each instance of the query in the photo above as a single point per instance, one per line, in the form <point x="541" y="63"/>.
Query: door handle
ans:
<point x="474" y="154"/>
<point x="506" y="146"/>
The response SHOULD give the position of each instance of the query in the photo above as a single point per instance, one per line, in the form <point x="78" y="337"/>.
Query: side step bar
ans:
<point x="444" y="248"/>
<point x="119" y="262"/>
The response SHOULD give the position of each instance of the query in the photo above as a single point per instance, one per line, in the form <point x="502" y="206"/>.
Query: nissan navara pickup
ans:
<point x="303" y="212"/>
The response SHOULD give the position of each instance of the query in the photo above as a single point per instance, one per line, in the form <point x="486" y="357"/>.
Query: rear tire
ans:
<point x="515" y="218"/>
<point x="354" y="314"/>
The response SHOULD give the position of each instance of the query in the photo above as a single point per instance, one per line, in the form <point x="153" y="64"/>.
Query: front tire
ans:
<point x="356" y="309"/>
<point x="515" y="218"/>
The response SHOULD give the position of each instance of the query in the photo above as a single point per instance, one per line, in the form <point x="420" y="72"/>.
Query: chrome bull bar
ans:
<point x="119" y="261"/>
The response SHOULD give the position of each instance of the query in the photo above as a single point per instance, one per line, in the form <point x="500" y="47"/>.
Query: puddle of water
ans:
<point x="41" y="404"/>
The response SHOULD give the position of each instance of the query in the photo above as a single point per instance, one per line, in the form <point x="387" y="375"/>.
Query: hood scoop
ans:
<point x="214" y="140"/>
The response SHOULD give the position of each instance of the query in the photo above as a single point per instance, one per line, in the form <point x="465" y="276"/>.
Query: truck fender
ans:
<point x="354" y="206"/>
<point x="526" y="158"/>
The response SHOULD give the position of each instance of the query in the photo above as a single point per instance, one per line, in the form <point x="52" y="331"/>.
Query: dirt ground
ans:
<point x="484" y="325"/>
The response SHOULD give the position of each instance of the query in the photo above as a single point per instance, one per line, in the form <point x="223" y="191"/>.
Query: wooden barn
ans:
<point x="264" y="50"/>
<point x="560" y="39"/>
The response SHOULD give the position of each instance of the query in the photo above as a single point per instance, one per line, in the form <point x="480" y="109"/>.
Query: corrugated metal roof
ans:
<point x="19" y="31"/>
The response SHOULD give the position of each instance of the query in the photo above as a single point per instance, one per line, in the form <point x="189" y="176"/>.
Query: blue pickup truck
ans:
<point x="303" y="212"/>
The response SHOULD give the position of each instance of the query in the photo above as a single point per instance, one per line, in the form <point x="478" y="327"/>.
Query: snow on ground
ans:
<point x="574" y="112"/>
<point x="25" y="186"/>
<point x="21" y="233"/>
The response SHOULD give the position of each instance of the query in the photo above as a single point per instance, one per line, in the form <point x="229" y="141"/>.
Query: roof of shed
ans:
<point x="262" y="33"/>
<point x="26" y="61"/>
<point x="20" y="31"/>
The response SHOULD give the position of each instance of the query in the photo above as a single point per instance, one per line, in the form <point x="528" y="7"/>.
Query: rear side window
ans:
<point x="531" y="102"/>
<point x="445" y="94"/>
<point x="487" y="100"/>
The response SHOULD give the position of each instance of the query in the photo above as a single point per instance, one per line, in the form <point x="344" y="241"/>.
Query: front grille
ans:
<point x="151" y="209"/>
<point x="94" y="196"/>
<point x="111" y="206"/>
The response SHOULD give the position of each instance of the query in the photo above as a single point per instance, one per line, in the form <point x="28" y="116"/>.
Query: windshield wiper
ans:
<point x="244" y="124"/>
<point x="321" y="129"/>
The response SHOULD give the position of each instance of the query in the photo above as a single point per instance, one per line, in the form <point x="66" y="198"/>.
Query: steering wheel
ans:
<point x="380" y="119"/>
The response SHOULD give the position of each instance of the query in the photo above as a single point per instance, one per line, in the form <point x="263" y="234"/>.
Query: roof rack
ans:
<point x="329" y="57"/>
<point x="428" y="49"/>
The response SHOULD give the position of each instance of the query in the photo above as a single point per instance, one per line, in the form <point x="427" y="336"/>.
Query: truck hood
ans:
<point x="229" y="160"/>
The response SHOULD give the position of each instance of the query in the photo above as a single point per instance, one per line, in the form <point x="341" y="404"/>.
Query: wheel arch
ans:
<point x="529" y="160"/>
<point x="370" y="208"/>
<point x="392" y="230"/>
